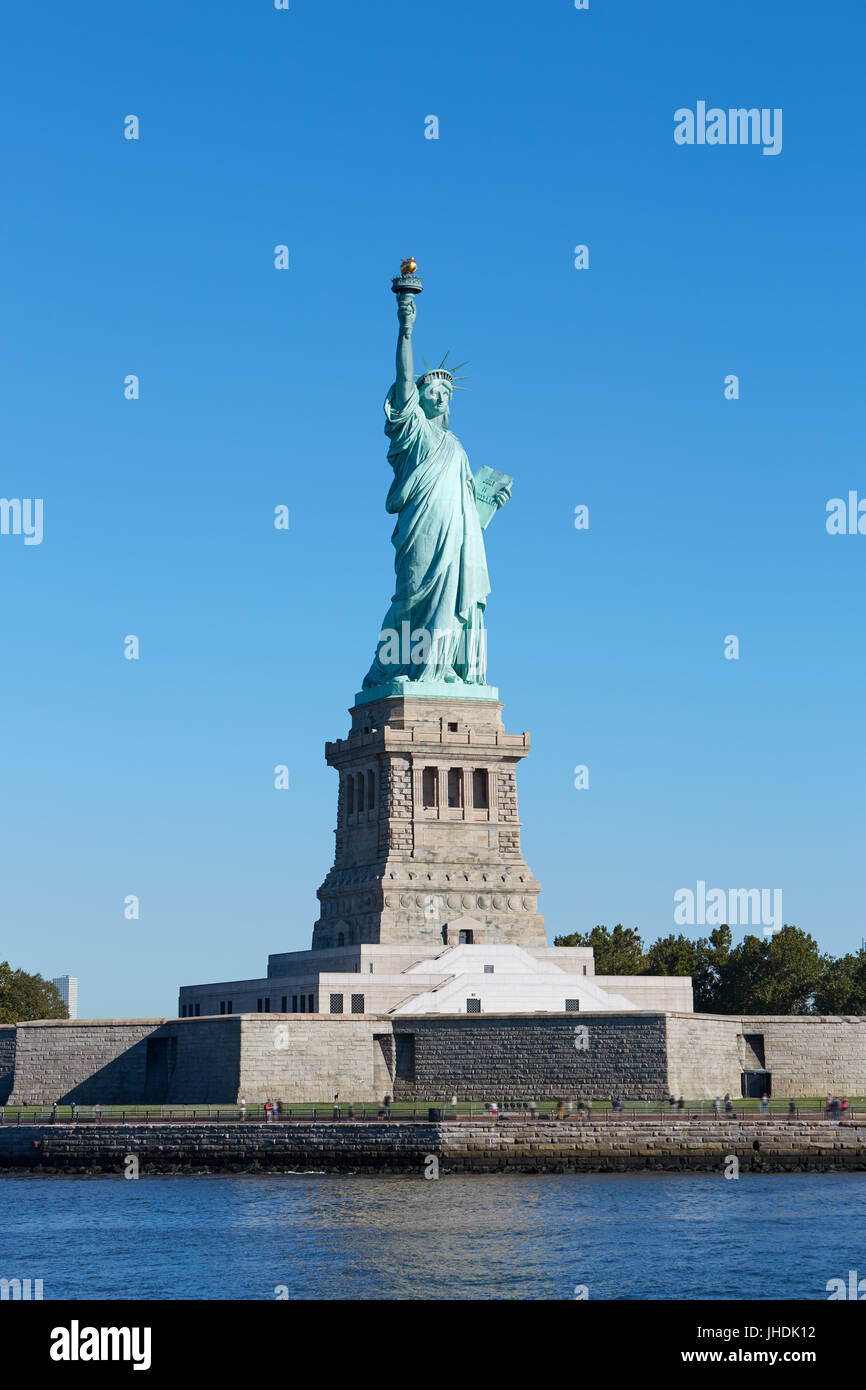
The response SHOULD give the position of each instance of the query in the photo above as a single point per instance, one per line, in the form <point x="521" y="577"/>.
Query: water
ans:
<point x="503" y="1236"/>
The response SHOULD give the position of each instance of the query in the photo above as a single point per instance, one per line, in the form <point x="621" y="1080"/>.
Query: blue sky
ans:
<point x="260" y="387"/>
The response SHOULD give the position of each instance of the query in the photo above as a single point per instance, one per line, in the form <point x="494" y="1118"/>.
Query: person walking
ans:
<point x="765" y="1104"/>
<point x="242" y="1107"/>
<point x="729" y="1104"/>
<point x="792" y="1109"/>
<point x="844" y="1108"/>
<point x="717" y="1106"/>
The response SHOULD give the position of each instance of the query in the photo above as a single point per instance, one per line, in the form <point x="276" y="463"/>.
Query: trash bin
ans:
<point x="434" y="1113"/>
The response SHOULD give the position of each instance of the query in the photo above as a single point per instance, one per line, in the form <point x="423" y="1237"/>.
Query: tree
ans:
<point x="703" y="959"/>
<point x="24" y="997"/>
<point x="842" y="986"/>
<point x="619" y="952"/>
<point x="707" y="981"/>
<point x="672" y="955"/>
<point x="779" y="975"/>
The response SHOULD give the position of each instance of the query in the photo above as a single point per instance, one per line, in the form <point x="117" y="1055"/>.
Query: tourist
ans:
<point x="494" y="1111"/>
<point x="792" y="1109"/>
<point x="97" y="1111"/>
<point x="765" y="1104"/>
<point x="589" y="1108"/>
<point x="671" y="1103"/>
<point x="729" y="1104"/>
<point x="454" y="1103"/>
<point x="242" y="1107"/>
<point x="267" y="1109"/>
<point x="844" y="1108"/>
<point x="532" y="1110"/>
<point x="681" y="1105"/>
<point x="560" y="1109"/>
<point x="717" y="1105"/>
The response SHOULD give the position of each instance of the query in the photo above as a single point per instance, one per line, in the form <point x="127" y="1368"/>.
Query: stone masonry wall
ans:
<point x="302" y="1057"/>
<point x="703" y="1058"/>
<point x="7" y="1062"/>
<point x="532" y="1056"/>
<point x="520" y="1145"/>
<point x="813" y="1056"/>
<point x="805" y="1056"/>
<point x="68" y="1061"/>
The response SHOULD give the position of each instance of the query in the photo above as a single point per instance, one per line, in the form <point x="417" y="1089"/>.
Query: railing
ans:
<point x="420" y="1111"/>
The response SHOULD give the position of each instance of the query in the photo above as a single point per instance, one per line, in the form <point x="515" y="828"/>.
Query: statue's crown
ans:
<point x="441" y="373"/>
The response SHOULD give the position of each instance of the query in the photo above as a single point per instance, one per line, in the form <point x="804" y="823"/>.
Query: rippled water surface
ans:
<point x="495" y="1237"/>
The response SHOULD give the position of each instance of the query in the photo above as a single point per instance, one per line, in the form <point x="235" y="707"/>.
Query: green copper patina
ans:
<point x="432" y="642"/>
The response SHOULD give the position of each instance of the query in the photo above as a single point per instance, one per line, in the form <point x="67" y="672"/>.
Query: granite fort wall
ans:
<point x="136" y="1061"/>
<point x="67" y="1060"/>
<point x="7" y="1062"/>
<point x="540" y="1056"/>
<point x="291" y="1057"/>
<point x="199" y="1060"/>
<point x="294" y="1057"/>
<point x="702" y="1055"/>
<point x="813" y="1056"/>
<point x="519" y="1145"/>
<point x="805" y="1056"/>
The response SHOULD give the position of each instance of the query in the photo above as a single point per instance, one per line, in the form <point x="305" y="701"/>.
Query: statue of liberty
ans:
<point x="434" y="630"/>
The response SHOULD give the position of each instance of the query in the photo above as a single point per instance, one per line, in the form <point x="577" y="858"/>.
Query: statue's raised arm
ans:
<point x="404" y="288"/>
<point x="405" y="378"/>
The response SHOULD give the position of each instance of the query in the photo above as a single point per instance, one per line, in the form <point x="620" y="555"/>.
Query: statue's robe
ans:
<point x="441" y="568"/>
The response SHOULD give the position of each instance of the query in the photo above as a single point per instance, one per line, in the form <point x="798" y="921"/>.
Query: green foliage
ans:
<point x="619" y="952"/>
<point x="781" y="974"/>
<point x="24" y="997"/>
<point x="777" y="975"/>
<point x="842" y="987"/>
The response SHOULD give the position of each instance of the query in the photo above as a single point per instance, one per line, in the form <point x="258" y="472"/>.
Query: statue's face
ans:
<point x="435" y="398"/>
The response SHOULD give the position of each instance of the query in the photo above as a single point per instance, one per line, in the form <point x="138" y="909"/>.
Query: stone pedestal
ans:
<point x="428" y="834"/>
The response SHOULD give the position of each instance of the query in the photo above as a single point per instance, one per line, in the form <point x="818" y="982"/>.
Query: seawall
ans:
<point x="464" y="1146"/>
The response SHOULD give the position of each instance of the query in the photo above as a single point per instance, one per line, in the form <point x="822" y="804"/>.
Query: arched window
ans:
<point x="341" y="939"/>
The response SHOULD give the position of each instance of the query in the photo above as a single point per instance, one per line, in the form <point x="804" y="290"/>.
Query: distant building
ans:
<point x="67" y="988"/>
